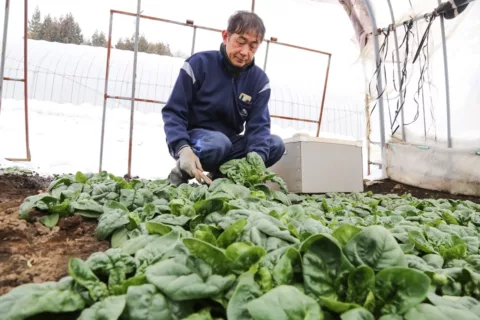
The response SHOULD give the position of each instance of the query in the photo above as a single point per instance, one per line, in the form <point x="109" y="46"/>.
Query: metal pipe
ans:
<point x="25" y="82"/>
<point x="136" y="99"/>
<point x="193" y="40"/>
<point x="191" y="24"/>
<point x="164" y="20"/>
<point x="134" y="79"/>
<point x="25" y="79"/>
<point x="13" y="79"/>
<point x="4" y="48"/>
<point x="299" y="47"/>
<point x="447" y="81"/>
<point x="253" y="5"/>
<point x="420" y="70"/>
<point x="421" y="16"/>
<point x="150" y="17"/>
<point x="323" y="96"/>
<point x="380" y="86"/>
<point x="424" y="116"/>
<point x="399" y="70"/>
<point x="266" y="57"/>
<point x="207" y="28"/>
<point x="367" y="130"/>
<point x="294" y="119"/>
<point x="210" y="29"/>
<point x="107" y="70"/>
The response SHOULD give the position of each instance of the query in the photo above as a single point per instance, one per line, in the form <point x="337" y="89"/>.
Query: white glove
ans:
<point x="190" y="163"/>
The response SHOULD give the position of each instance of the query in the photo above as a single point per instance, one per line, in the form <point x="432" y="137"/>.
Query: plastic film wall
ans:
<point x="437" y="144"/>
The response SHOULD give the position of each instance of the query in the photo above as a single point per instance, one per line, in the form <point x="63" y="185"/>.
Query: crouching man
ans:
<point x="217" y="96"/>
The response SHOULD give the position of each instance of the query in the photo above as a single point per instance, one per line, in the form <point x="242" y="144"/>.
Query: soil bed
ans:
<point x="392" y="187"/>
<point x="31" y="252"/>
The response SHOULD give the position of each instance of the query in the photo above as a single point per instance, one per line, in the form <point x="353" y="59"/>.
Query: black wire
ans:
<point x="431" y="100"/>
<point x="425" y="35"/>
<point x="383" y="48"/>
<point x="408" y="25"/>
<point x="423" y="45"/>
<point x="423" y="69"/>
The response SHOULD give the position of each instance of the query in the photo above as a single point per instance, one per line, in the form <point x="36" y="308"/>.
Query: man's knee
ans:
<point x="277" y="149"/>
<point x="277" y="144"/>
<point x="211" y="147"/>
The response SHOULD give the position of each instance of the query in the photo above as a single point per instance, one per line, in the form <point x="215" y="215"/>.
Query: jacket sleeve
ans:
<point x="175" y="112"/>
<point x="257" y="128"/>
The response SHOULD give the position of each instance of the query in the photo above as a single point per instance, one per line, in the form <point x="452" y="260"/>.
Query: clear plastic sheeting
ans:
<point x="426" y="119"/>
<point x="69" y="73"/>
<point x="425" y="107"/>
<point x="436" y="168"/>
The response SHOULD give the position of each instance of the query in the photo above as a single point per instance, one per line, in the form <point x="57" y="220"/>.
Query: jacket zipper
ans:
<point x="235" y="103"/>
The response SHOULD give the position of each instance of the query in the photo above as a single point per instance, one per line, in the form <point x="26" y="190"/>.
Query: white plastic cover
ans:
<point x="425" y="108"/>
<point x="444" y="169"/>
<point x="425" y="111"/>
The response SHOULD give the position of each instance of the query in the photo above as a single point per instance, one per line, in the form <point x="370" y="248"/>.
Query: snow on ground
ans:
<point x="65" y="138"/>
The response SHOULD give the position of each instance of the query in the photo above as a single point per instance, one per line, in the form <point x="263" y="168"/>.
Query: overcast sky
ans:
<point x="301" y="22"/>
<point x="307" y="23"/>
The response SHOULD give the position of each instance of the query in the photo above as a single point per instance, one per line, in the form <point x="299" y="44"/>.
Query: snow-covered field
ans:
<point x="65" y="138"/>
<point x="75" y="74"/>
<point x="66" y="88"/>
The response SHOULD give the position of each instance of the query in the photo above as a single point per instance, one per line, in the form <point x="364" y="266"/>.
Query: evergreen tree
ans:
<point x="144" y="45"/>
<point x="124" y="44"/>
<point x="48" y="31"/>
<point x="35" y="25"/>
<point x="99" y="39"/>
<point x="69" y="30"/>
<point x="160" y="48"/>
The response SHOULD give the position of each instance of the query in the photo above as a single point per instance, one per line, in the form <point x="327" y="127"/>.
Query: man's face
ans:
<point x="240" y="48"/>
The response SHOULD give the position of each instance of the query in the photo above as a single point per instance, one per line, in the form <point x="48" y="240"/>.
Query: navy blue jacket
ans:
<point x="207" y="96"/>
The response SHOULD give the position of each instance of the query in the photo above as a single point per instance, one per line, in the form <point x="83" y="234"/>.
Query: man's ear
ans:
<point x="225" y="36"/>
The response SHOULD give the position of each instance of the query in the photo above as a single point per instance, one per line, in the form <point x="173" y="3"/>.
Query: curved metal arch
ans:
<point x="373" y="20"/>
<point x="372" y="17"/>
<point x="399" y="70"/>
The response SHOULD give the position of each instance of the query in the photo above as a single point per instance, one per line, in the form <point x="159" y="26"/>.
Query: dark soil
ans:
<point x="31" y="252"/>
<point x="389" y="187"/>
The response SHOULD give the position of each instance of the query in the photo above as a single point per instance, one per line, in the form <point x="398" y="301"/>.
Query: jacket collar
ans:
<point x="231" y="69"/>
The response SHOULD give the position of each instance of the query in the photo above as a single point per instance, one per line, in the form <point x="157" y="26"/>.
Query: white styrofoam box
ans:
<point x="320" y="165"/>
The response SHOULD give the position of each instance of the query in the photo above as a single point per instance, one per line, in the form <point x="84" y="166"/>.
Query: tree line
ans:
<point x="66" y="30"/>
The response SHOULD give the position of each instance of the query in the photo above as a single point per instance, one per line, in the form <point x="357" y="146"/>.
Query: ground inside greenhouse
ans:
<point x="32" y="253"/>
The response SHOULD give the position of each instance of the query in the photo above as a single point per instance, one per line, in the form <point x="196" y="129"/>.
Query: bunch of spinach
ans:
<point x="251" y="172"/>
<point x="236" y="250"/>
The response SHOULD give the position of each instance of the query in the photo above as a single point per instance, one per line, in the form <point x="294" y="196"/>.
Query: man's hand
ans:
<point x="190" y="163"/>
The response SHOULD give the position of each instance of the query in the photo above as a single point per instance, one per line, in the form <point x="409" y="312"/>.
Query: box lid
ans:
<point x="305" y="137"/>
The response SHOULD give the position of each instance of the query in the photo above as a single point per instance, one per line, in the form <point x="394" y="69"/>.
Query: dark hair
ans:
<point x="244" y="22"/>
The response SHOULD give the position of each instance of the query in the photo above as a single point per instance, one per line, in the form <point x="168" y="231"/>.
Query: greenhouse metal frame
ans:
<point x="393" y="26"/>
<point x="431" y="163"/>
<point x="191" y="24"/>
<point x="25" y="72"/>
<point x="368" y="34"/>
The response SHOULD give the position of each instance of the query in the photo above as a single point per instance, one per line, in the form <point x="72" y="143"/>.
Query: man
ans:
<point x="216" y="96"/>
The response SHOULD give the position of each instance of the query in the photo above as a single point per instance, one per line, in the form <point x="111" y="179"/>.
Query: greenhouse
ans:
<point x="372" y="211"/>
